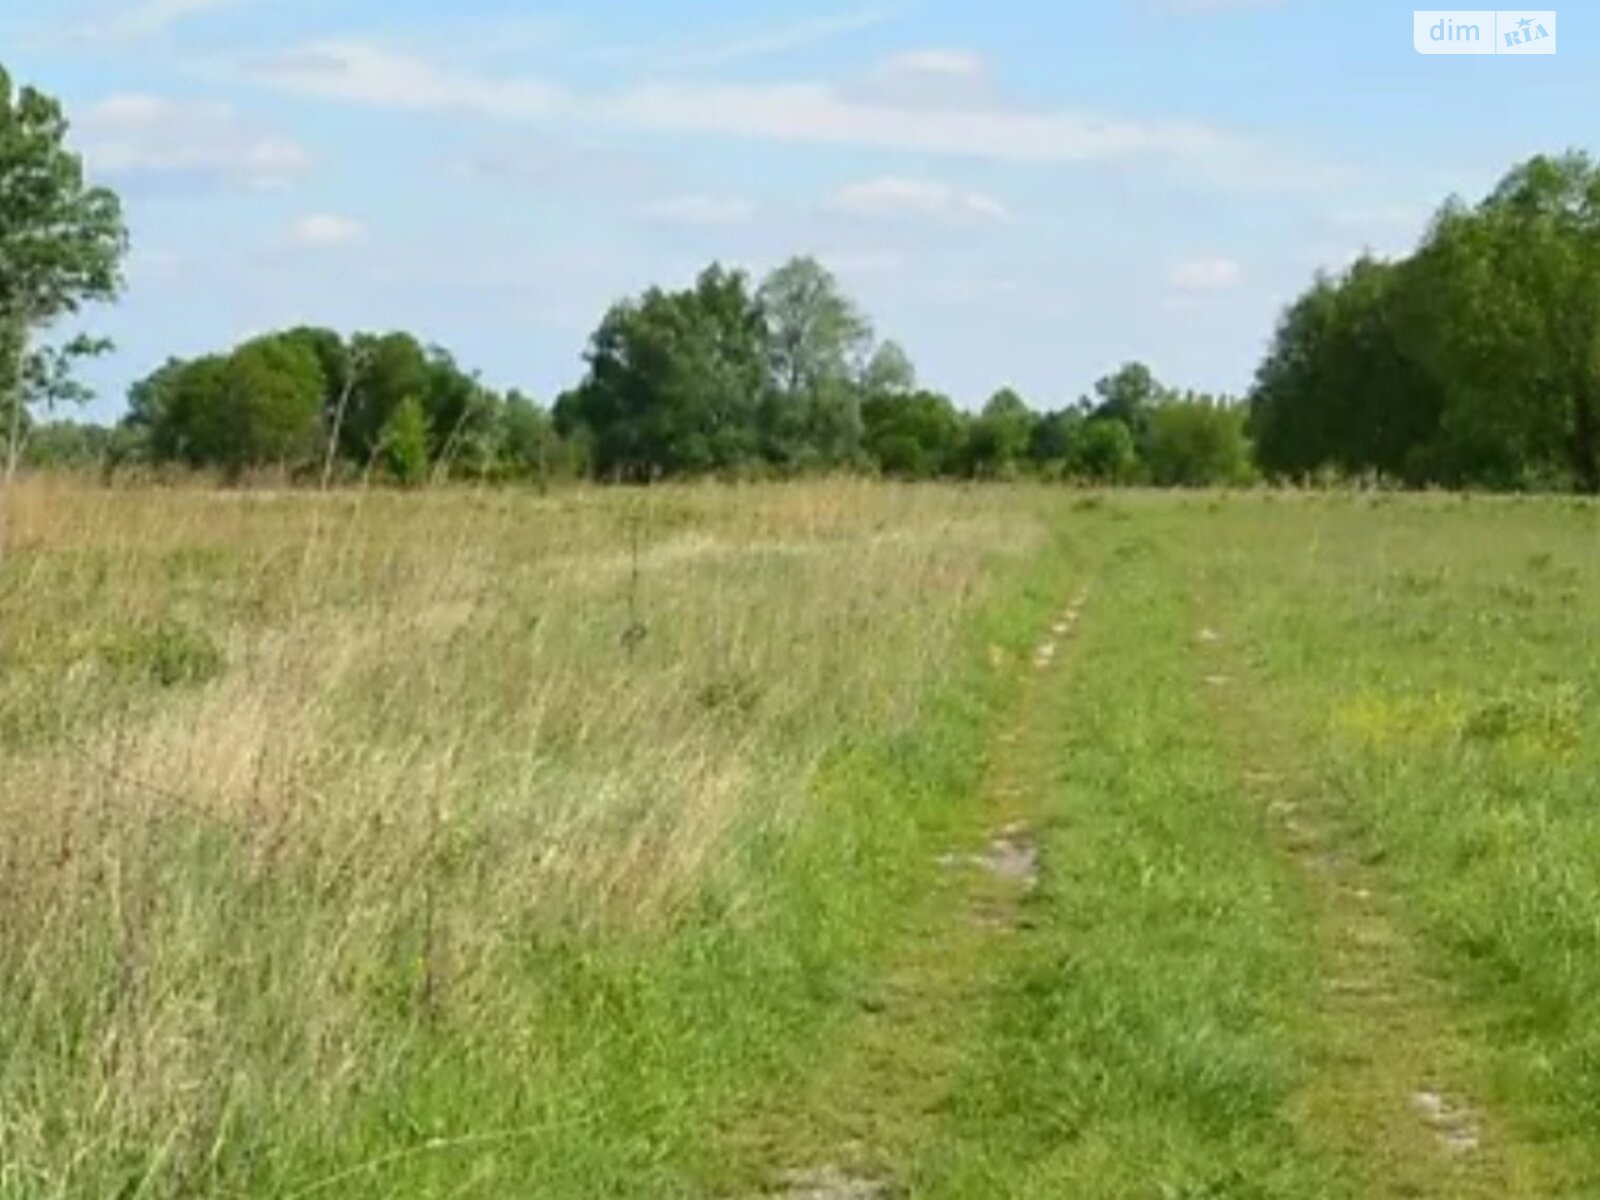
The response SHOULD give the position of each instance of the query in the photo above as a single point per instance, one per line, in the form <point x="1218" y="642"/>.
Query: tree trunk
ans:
<point x="11" y="380"/>
<point x="13" y="391"/>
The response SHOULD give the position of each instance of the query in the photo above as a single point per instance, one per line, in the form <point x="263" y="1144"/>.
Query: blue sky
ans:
<point x="1020" y="192"/>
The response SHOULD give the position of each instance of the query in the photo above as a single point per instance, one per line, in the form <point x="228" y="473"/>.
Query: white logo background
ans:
<point x="1484" y="31"/>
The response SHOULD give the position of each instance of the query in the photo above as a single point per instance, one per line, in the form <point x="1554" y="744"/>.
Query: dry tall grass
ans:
<point x="290" y="779"/>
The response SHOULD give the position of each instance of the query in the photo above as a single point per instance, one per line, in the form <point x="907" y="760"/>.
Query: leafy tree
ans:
<point x="61" y="244"/>
<point x="915" y="436"/>
<point x="1472" y="363"/>
<point x="675" y="382"/>
<point x="999" y="439"/>
<point x="394" y="366"/>
<point x="1103" y="451"/>
<point x="529" y="447"/>
<point x="261" y="404"/>
<point x="1128" y="396"/>
<point x="271" y="404"/>
<point x="1054" y="435"/>
<point x="1506" y="316"/>
<point x="1196" y="441"/>
<point x="461" y="412"/>
<point x="816" y="346"/>
<point x="1339" y="388"/>
<point x="889" y="372"/>
<point x="405" y="440"/>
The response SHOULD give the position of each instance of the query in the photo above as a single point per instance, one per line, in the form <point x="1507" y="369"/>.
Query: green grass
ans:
<point x="479" y="844"/>
<point x="403" y="869"/>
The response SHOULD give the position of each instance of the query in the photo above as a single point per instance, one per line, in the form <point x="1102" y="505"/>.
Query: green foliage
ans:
<point x="1129" y="396"/>
<point x="915" y="436"/>
<point x="69" y="444"/>
<point x="999" y="439"/>
<point x="269" y="409"/>
<point x="405" y="440"/>
<point x="1471" y="363"/>
<point x="1339" y="389"/>
<point x="1103" y="451"/>
<point x="61" y="244"/>
<point x="61" y="240"/>
<point x="816" y="345"/>
<point x="675" y="381"/>
<point x="260" y="405"/>
<point x="1198" y="442"/>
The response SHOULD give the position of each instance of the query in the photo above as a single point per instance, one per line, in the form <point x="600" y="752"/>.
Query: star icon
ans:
<point x="1525" y="22"/>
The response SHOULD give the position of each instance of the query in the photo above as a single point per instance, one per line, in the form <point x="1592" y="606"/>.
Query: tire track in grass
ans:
<point x="1389" y="1085"/>
<point x="1134" y="1049"/>
<point x="855" y="1129"/>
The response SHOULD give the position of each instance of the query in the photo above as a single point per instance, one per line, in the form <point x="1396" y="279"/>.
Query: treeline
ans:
<point x="1475" y="362"/>
<point x="724" y="378"/>
<point x="312" y="402"/>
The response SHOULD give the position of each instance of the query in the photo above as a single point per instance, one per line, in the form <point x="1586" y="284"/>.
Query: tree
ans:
<point x="393" y="367"/>
<point x="915" y="436"/>
<point x="1506" y="316"/>
<point x="262" y="404"/>
<point x="271" y="404"/>
<point x="1197" y="441"/>
<point x="405" y="441"/>
<point x="61" y="241"/>
<point x="675" y="382"/>
<point x="528" y="447"/>
<point x="889" y="372"/>
<point x="1475" y="362"/>
<point x="817" y="342"/>
<point x="1104" y="451"/>
<point x="1128" y="396"/>
<point x="998" y="441"/>
<point x="815" y="334"/>
<point x="1053" y="438"/>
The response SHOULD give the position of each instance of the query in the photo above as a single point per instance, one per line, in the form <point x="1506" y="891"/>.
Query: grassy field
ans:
<point x="828" y="840"/>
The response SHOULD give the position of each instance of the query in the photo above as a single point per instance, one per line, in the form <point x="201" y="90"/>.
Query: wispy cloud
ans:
<point x="896" y="197"/>
<point x="803" y="112"/>
<point x="366" y="73"/>
<point x="1207" y="274"/>
<point x="955" y="64"/>
<point x="134" y="133"/>
<point x="120" y="24"/>
<point x="700" y="209"/>
<point x="326" y="231"/>
<point x="767" y="43"/>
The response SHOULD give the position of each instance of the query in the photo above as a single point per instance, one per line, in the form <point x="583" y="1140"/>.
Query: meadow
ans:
<point x="821" y="839"/>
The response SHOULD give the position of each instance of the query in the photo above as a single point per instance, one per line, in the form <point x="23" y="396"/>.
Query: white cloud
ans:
<point x="117" y="26"/>
<point x="958" y="64"/>
<point x="363" y="73"/>
<point x="816" y="113"/>
<point x="1213" y="274"/>
<point x="762" y="44"/>
<point x="701" y="209"/>
<point x="929" y="79"/>
<point x="134" y="133"/>
<point x="895" y="196"/>
<point x="320" y="231"/>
